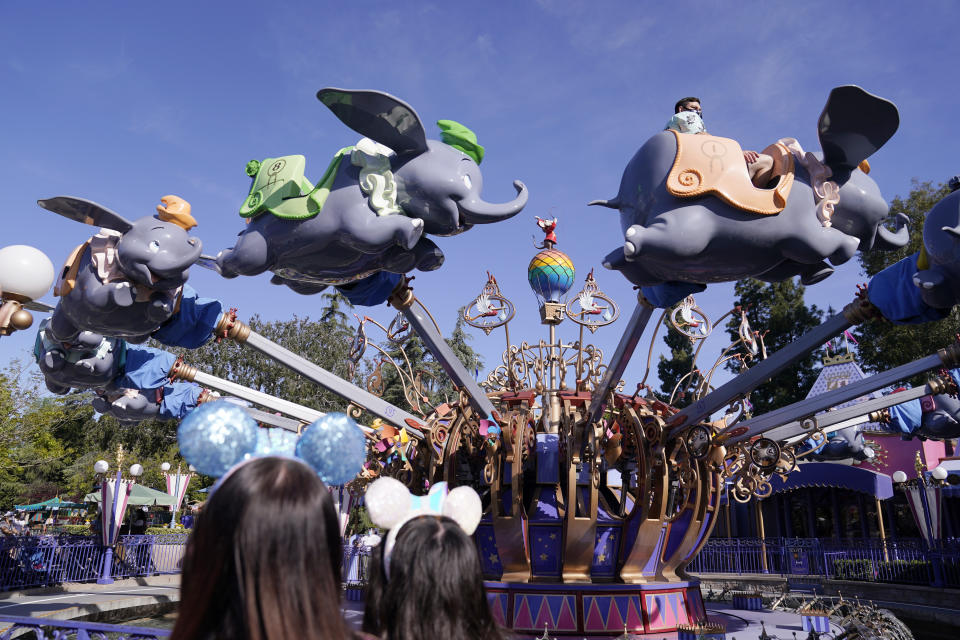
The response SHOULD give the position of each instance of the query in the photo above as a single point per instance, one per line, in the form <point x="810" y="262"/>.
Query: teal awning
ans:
<point x="52" y="503"/>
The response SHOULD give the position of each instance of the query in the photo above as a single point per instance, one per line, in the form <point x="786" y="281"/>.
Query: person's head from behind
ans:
<point x="688" y="104"/>
<point x="429" y="586"/>
<point x="264" y="561"/>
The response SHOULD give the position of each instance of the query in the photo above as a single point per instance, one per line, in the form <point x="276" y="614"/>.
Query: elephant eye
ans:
<point x="467" y="182"/>
<point x="154" y="246"/>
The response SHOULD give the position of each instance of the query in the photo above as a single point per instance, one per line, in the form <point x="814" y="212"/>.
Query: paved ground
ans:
<point x="77" y="600"/>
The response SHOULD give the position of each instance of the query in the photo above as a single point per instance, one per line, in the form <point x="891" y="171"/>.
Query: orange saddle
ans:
<point x="710" y="165"/>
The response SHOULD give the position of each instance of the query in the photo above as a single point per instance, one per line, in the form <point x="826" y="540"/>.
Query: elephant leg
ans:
<point x="429" y="255"/>
<point x="61" y="328"/>
<point x="303" y="288"/>
<point x="371" y="234"/>
<point x="632" y="271"/>
<point x="685" y="235"/>
<point x="826" y="242"/>
<point x="249" y="257"/>
<point x="814" y="273"/>
<point x="58" y="389"/>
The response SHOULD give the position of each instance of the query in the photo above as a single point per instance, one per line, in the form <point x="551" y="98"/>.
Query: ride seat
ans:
<point x="707" y="164"/>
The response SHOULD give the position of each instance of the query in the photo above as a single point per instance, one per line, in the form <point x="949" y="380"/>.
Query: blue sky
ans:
<point x="123" y="102"/>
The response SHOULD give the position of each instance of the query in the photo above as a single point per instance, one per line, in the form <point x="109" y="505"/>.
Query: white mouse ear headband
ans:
<point x="391" y="505"/>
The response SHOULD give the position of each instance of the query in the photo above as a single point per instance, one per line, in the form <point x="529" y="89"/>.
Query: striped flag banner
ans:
<point x="114" y="495"/>
<point x="177" y="487"/>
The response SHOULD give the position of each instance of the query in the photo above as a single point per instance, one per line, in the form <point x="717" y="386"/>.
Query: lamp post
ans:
<point x="114" y="495"/>
<point x="25" y="275"/>
<point x="924" y="495"/>
<point x="176" y="486"/>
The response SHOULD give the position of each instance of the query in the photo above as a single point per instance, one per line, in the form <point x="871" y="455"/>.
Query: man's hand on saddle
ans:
<point x="751" y="156"/>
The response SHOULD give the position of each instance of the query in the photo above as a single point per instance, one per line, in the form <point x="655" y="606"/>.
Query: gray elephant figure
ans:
<point x="845" y="444"/>
<point x="126" y="280"/>
<point x="374" y="207"/>
<point x="129" y="406"/>
<point x="940" y="419"/>
<point x="686" y="241"/>
<point x="924" y="286"/>
<point x="91" y="362"/>
<point x="938" y="267"/>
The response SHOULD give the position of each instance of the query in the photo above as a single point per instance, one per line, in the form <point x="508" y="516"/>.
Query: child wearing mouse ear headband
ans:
<point x="426" y="581"/>
<point x="391" y="506"/>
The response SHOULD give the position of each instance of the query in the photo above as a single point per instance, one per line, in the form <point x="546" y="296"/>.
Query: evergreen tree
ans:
<point x="779" y="310"/>
<point x="672" y="370"/>
<point x="883" y="345"/>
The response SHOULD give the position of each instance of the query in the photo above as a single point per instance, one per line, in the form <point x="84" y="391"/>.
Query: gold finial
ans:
<point x="119" y="456"/>
<point x="918" y="465"/>
<point x="176" y="210"/>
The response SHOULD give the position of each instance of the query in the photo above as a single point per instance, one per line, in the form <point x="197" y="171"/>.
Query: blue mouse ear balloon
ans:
<point x="335" y="446"/>
<point x="215" y="436"/>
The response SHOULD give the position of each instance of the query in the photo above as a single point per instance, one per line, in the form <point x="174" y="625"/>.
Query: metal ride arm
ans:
<point x="275" y="421"/>
<point x="403" y="300"/>
<point x="852" y="314"/>
<point x="301" y="415"/>
<point x="944" y="358"/>
<point x="241" y="333"/>
<point x="621" y="357"/>
<point x="183" y="371"/>
<point x="848" y="416"/>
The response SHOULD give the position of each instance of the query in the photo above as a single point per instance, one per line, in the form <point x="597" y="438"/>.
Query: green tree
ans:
<point x="883" y="345"/>
<point x="326" y="343"/>
<point x="777" y="309"/>
<point x="672" y="370"/>
<point x="40" y="436"/>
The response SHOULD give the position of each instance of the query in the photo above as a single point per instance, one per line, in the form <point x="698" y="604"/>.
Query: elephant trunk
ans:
<point x="480" y="212"/>
<point x="887" y="240"/>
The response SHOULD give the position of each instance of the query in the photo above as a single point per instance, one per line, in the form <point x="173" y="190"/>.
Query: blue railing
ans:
<point x="900" y="561"/>
<point x="43" y="628"/>
<point x="40" y="561"/>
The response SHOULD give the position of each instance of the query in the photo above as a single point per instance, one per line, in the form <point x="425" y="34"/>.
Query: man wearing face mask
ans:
<point x="688" y="118"/>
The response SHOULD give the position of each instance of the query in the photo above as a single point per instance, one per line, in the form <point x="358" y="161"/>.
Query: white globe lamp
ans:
<point x="136" y="470"/>
<point x="165" y="467"/>
<point x="25" y="273"/>
<point x="939" y="473"/>
<point x="899" y="476"/>
<point x="101" y="466"/>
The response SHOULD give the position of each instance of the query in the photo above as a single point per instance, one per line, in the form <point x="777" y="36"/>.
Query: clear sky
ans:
<point x="124" y="102"/>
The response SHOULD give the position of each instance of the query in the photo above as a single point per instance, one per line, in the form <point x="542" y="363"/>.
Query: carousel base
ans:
<point x="595" y="609"/>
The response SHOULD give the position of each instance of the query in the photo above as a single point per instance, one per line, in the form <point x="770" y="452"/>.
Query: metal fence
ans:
<point x="356" y="565"/>
<point x="902" y="561"/>
<point x="40" y="561"/>
<point x="43" y="628"/>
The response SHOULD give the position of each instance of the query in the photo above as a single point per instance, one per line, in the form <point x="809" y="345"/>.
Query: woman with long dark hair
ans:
<point x="428" y="586"/>
<point x="263" y="562"/>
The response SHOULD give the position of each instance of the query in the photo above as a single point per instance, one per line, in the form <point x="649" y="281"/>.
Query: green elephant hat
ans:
<point x="459" y="137"/>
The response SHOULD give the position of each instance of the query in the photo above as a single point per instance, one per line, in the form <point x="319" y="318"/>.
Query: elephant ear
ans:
<point x="378" y="116"/>
<point x="854" y="124"/>
<point x="86" y="212"/>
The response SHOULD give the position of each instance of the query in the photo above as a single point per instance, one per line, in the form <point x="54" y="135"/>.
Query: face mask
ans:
<point x="686" y="122"/>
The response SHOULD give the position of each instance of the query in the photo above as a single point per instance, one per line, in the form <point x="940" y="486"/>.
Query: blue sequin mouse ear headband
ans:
<point x="217" y="436"/>
<point x="390" y="506"/>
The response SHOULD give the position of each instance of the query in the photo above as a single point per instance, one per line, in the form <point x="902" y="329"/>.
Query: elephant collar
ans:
<point x="711" y="165"/>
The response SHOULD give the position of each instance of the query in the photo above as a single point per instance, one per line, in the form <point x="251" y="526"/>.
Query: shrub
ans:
<point x="853" y="570"/>
<point x="75" y="529"/>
